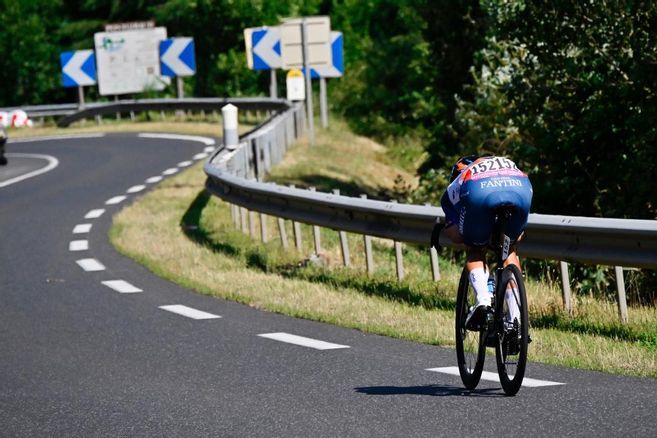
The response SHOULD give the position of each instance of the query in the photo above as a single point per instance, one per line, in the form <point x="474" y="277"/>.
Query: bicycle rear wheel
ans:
<point x="470" y="345"/>
<point x="512" y="333"/>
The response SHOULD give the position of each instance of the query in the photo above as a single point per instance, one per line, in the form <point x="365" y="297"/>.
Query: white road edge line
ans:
<point x="54" y="137"/>
<point x="93" y="214"/>
<point x="209" y="149"/>
<point x="302" y="341"/>
<point x="81" y="228"/>
<point x="200" y="156"/>
<point x="185" y="164"/>
<point x="135" y="189"/>
<point x="90" y="265"/>
<point x="115" y="200"/>
<point x="170" y="171"/>
<point x="121" y="286"/>
<point x="154" y="179"/>
<point x="205" y="140"/>
<point x="493" y="377"/>
<point x="52" y="163"/>
<point x="78" y="245"/>
<point x="188" y="312"/>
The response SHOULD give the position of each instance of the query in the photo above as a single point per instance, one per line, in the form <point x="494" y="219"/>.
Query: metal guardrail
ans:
<point x="195" y="104"/>
<point x="233" y="175"/>
<point x="36" y="111"/>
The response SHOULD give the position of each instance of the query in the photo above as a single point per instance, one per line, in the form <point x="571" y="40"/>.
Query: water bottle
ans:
<point x="491" y="284"/>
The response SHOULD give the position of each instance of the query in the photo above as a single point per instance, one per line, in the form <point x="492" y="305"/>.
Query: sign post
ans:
<point x="177" y="60"/>
<point x="263" y="52"/>
<point x="336" y="70"/>
<point x="78" y="70"/>
<point x="306" y="43"/>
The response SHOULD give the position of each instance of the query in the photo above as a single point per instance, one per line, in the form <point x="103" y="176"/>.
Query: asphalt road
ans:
<point x="80" y="358"/>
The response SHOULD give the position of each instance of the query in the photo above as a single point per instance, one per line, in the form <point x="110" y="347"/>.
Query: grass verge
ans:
<point x="186" y="236"/>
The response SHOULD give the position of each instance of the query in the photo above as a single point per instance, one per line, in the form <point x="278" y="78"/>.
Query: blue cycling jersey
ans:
<point x="486" y="184"/>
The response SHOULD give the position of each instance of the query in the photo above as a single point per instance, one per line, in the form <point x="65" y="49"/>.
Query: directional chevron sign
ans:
<point x="78" y="68"/>
<point x="337" y="69"/>
<point x="177" y="57"/>
<point x="266" y="44"/>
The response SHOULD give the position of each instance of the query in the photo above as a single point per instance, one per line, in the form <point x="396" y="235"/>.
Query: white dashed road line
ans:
<point x="209" y="149"/>
<point x="185" y="164"/>
<point x="154" y="179"/>
<point x="93" y="214"/>
<point x="135" y="189"/>
<point x="90" y="265"/>
<point x="115" y="200"/>
<point x="121" y="286"/>
<point x="188" y="312"/>
<point x="81" y="228"/>
<point x="493" y="377"/>
<point x="78" y="245"/>
<point x="170" y="171"/>
<point x="200" y="156"/>
<point x="302" y="341"/>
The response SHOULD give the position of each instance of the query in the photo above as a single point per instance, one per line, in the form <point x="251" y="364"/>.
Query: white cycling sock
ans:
<point x="512" y="297"/>
<point x="479" y="282"/>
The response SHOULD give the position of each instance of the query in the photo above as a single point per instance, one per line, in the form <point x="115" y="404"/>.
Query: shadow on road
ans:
<point x="432" y="390"/>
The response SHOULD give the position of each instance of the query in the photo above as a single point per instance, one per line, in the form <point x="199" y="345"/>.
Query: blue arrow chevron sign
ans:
<point x="266" y="43"/>
<point x="337" y="69"/>
<point x="177" y="57"/>
<point x="78" y="68"/>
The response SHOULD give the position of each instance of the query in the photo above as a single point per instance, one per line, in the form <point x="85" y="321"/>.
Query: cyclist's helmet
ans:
<point x="461" y="164"/>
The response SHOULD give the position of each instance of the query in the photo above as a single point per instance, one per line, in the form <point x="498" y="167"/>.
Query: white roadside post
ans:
<point x="229" y="114"/>
<point x="323" y="103"/>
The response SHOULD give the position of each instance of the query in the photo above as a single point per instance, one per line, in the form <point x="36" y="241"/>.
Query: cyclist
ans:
<point x="3" y="141"/>
<point x="479" y="185"/>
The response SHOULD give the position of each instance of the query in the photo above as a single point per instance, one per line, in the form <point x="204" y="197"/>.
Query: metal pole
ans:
<point x="344" y="242"/>
<point x="622" y="299"/>
<point x="118" y="114"/>
<point x="273" y="87"/>
<point x="323" y="102"/>
<point x="369" y="258"/>
<point x="283" y="233"/>
<point x="80" y="98"/>
<point x="179" y="87"/>
<point x="263" y="227"/>
<point x="433" y="253"/>
<point x="565" y="287"/>
<point x="399" y="257"/>
<point x="252" y="224"/>
<point x="309" y="88"/>
<point x="244" y="219"/>
<point x="316" y="233"/>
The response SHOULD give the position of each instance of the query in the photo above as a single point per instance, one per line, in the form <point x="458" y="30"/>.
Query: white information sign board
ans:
<point x="319" y="42"/>
<point x="129" y="61"/>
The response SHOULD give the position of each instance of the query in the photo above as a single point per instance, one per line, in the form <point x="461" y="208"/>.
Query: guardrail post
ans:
<point x="252" y="225"/>
<point x="369" y="258"/>
<point x="283" y="233"/>
<point x="399" y="257"/>
<point x="233" y="214"/>
<point x="263" y="227"/>
<point x="622" y="299"/>
<point x="565" y="287"/>
<point x="316" y="233"/>
<point x="344" y="242"/>
<point x="433" y="253"/>
<point x="243" y="218"/>
<point x="296" y="228"/>
<point x="230" y="125"/>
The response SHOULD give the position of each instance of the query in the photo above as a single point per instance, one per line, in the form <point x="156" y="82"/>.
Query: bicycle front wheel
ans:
<point x="470" y="345"/>
<point x="512" y="328"/>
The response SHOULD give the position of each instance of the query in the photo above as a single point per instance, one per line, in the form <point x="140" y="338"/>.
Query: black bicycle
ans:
<point x="510" y="338"/>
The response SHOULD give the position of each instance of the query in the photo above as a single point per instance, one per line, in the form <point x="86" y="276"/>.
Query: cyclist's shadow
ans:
<point x="431" y="390"/>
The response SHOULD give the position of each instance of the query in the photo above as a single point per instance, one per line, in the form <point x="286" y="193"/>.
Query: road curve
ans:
<point x="93" y="344"/>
